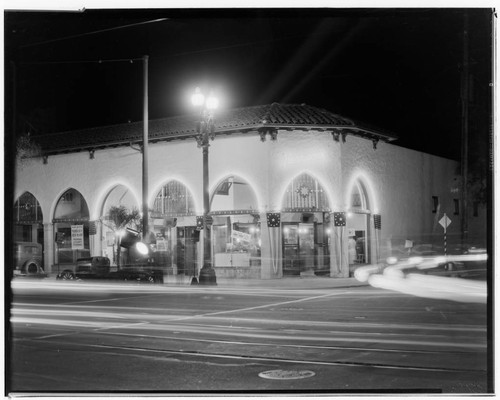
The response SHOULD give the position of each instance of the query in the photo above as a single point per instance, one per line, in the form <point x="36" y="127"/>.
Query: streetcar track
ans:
<point x="267" y="336"/>
<point x="274" y="359"/>
<point x="305" y="346"/>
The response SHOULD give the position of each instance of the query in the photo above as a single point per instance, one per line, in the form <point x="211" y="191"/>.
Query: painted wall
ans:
<point x="400" y="182"/>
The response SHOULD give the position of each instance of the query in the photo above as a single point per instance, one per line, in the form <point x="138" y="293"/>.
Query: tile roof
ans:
<point x="240" y="120"/>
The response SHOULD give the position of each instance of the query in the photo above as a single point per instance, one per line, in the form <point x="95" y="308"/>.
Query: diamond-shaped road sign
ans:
<point x="445" y="221"/>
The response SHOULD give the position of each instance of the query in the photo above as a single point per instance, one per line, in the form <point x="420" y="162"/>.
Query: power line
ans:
<point x="94" y="32"/>
<point x="180" y="54"/>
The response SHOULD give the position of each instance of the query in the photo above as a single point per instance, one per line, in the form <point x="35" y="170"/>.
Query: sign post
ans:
<point x="445" y="222"/>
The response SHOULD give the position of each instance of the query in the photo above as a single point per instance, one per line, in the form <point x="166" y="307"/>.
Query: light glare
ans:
<point x="197" y="98"/>
<point x="142" y="248"/>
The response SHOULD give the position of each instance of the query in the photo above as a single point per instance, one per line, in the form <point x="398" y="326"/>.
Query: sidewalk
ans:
<point x="298" y="282"/>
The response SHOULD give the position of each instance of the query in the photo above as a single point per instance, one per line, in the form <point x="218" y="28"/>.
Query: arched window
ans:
<point x="359" y="200"/>
<point x="305" y="194"/>
<point x="173" y="199"/>
<point x="233" y="195"/>
<point x="28" y="219"/>
<point x="27" y="209"/>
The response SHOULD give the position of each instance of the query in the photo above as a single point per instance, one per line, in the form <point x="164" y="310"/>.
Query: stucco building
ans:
<point x="294" y="190"/>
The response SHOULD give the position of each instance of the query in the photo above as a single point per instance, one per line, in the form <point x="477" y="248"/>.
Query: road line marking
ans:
<point x="261" y="306"/>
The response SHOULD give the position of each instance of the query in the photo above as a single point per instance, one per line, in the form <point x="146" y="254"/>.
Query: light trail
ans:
<point x="394" y="276"/>
<point x="80" y="311"/>
<point x="259" y="333"/>
<point x="19" y="286"/>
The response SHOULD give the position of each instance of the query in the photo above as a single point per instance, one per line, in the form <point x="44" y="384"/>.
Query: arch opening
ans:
<point x="119" y="211"/>
<point x="28" y="219"/>
<point x="28" y="235"/>
<point x="236" y="228"/>
<point x="71" y="228"/>
<point x="173" y="221"/>
<point x="305" y="228"/>
<point x="358" y="227"/>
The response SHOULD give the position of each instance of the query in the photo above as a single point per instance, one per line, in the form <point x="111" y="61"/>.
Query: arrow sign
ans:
<point x="445" y="221"/>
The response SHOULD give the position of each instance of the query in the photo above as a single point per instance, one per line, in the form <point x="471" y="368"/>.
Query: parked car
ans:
<point x="92" y="267"/>
<point x="99" y="268"/>
<point x="28" y="259"/>
<point x="138" y="274"/>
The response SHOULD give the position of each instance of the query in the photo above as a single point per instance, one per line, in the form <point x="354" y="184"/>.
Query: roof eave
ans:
<point x="349" y="129"/>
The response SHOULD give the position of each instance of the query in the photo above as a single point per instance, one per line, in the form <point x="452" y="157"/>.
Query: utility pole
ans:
<point x="145" y="216"/>
<point x="465" y="129"/>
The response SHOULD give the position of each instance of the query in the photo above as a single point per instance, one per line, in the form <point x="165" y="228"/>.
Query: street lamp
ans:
<point x="206" y="129"/>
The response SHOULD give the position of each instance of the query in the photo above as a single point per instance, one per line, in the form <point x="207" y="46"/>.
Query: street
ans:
<point x="80" y="337"/>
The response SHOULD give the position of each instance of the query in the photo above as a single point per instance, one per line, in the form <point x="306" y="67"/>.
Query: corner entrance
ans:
<point x="305" y="247"/>
<point x="298" y="242"/>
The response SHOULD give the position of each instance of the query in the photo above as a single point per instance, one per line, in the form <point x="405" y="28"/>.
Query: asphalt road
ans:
<point x="78" y="337"/>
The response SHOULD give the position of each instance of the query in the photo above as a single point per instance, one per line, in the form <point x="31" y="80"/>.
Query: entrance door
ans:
<point x="185" y="251"/>
<point x="298" y="242"/>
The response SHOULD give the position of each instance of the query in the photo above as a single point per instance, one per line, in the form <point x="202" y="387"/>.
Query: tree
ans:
<point x="119" y="218"/>
<point x="26" y="149"/>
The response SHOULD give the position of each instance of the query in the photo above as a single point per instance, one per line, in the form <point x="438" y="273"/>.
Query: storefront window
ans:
<point x="236" y="227"/>
<point x="174" y="224"/>
<point x="71" y="226"/>
<point x="119" y="206"/>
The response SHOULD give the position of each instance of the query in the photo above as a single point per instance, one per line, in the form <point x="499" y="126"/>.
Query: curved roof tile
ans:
<point x="278" y="116"/>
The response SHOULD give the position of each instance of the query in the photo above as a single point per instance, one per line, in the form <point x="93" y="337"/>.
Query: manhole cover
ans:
<point x="283" y="374"/>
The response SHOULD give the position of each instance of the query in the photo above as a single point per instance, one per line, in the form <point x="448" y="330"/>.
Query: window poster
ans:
<point x="77" y="237"/>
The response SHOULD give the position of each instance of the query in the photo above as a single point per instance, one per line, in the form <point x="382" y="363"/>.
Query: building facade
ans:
<point x="294" y="190"/>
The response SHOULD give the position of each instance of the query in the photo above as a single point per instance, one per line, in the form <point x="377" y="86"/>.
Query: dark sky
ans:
<point x="400" y="70"/>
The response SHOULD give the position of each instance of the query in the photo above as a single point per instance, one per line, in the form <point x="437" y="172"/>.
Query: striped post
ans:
<point x="444" y="241"/>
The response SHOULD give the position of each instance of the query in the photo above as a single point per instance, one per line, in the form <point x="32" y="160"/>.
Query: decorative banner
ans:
<point x="77" y="237"/>
<point x="326" y="217"/>
<point x="377" y="220"/>
<point x="92" y="228"/>
<point x="199" y="223"/>
<point x="273" y="220"/>
<point x="60" y="237"/>
<point x="303" y="191"/>
<point x="339" y="218"/>
<point x="246" y="237"/>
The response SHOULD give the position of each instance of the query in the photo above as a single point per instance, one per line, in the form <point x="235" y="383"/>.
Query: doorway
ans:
<point x="299" y="248"/>
<point x="185" y="250"/>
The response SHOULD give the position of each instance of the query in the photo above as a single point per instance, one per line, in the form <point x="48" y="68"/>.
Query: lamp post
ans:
<point x="206" y="129"/>
<point x="145" y="216"/>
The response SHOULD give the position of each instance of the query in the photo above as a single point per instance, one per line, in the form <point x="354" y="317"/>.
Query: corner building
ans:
<point x="294" y="190"/>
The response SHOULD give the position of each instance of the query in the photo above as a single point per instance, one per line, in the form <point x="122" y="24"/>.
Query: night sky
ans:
<point x="399" y="70"/>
